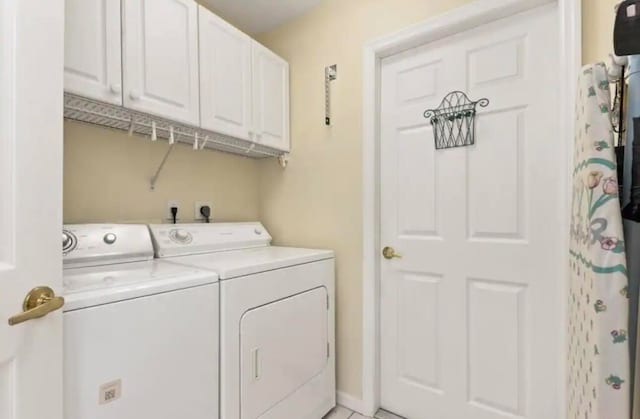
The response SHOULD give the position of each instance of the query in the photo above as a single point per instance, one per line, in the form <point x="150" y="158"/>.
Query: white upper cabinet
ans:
<point x="160" y="41"/>
<point x="92" y="49"/>
<point x="225" y="77"/>
<point x="270" y="98"/>
<point x="179" y="61"/>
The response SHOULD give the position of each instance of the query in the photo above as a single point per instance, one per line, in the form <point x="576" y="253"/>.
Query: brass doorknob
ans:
<point x="390" y="253"/>
<point x="38" y="303"/>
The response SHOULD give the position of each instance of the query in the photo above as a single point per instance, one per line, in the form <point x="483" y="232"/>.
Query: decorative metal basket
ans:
<point x="453" y="120"/>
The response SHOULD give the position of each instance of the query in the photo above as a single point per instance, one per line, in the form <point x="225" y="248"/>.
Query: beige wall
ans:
<point x="597" y="29"/>
<point x="106" y="178"/>
<point x="317" y="200"/>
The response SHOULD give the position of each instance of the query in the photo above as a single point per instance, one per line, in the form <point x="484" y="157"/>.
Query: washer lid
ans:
<point x="237" y="263"/>
<point x="86" y="287"/>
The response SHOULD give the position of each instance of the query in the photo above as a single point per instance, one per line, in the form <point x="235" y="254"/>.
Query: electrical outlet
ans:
<point x="168" y="215"/>
<point x="199" y="204"/>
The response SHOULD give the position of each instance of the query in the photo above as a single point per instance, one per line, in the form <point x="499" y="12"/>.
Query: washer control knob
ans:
<point x="66" y="240"/>
<point x="258" y="231"/>
<point x="110" y="238"/>
<point x="69" y="241"/>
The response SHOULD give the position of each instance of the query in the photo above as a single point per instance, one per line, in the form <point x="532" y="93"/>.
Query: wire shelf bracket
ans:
<point x="154" y="178"/>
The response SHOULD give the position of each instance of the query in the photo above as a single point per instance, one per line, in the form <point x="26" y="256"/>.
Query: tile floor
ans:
<point x="343" y="413"/>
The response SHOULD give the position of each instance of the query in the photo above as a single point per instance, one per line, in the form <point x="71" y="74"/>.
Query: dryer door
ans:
<point x="283" y="346"/>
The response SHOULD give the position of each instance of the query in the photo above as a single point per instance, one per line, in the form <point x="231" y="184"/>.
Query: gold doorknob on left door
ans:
<point x="390" y="253"/>
<point x="39" y="302"/>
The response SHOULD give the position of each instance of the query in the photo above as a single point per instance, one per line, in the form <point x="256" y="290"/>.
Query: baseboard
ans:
<point x="350" y="402"/>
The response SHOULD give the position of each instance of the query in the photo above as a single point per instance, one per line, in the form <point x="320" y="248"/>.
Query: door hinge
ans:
<point x="328" y="351"/>
<point x="327" y="303"/>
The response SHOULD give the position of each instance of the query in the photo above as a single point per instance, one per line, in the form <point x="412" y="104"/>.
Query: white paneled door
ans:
<point x="160" y="41"/>
<point x="270" y="98"/>
<point x="93" y="50"/>
<point x="31" y="86"/>
<point x="471" y="313"/>
<point x="225" y="77"/>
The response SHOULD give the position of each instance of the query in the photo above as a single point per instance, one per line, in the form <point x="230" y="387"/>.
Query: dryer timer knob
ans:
<point x="182" y="236"/>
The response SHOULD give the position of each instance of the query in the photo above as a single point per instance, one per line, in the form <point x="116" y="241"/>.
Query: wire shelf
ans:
<point x="91" y="111"/>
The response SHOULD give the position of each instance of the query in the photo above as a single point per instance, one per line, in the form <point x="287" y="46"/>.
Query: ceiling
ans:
<point x="257" y="16"/>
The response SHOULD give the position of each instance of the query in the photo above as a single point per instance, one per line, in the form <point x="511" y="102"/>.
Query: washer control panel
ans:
<point x="188" y="239"/>
<point x="103" y="244"/>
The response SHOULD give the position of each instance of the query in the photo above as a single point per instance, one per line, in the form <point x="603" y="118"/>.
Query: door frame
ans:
<point x="476" y="13"/>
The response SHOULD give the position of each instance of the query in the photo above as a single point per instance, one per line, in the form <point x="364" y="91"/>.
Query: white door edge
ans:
<point x="31" y="140"/>
<point x="466" y="17"/>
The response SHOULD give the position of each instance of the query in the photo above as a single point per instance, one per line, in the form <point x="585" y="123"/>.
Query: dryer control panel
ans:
<point x="105" y="244"/>
<point x="189" y="239"/>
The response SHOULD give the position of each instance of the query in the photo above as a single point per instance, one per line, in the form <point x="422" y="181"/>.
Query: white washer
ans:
<point x="276" y="318"/>
<point x="140" y="336"/>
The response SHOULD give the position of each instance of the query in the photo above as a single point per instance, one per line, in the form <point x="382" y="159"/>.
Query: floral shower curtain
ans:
<point x="599" y="374"/>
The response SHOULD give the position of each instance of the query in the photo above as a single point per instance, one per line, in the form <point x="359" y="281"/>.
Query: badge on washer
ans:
<point x="110" y="392"/>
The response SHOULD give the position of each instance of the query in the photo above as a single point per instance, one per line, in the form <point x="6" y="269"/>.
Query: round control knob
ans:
<point x="180" y="236"/>
<point x="109" y="238"/>
<point x="68" y="241"/>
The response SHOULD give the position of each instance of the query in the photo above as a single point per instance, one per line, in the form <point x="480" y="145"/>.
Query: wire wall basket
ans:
<point x="453" y="120"/>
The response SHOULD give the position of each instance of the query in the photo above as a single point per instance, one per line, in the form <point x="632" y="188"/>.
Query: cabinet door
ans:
<point x="225" y="77"/>
<point x="161" y="58"/>
<point x="92" y="49"/>
<point x="270" y="98"/>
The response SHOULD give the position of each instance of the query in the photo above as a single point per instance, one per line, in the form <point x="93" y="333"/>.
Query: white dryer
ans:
<point x="276" y="318"/>
<point x="140" y="336"/>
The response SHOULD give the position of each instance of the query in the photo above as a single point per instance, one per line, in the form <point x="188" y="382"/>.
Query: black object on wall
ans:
<point x="619" y="151"/>
<point x="618" y="108"/>
<point x="632" y="210"/>
<point x="626" y="32"/>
